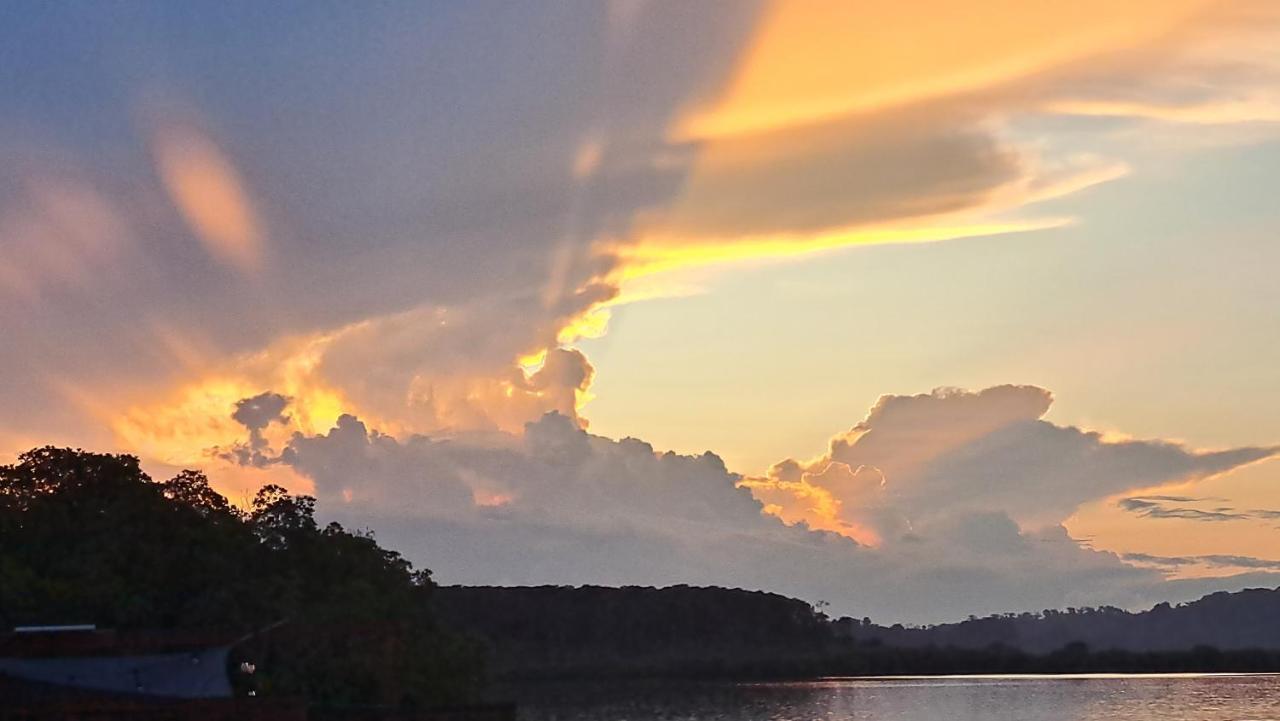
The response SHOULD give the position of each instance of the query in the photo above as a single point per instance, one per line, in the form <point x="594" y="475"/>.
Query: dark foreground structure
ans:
<point x="83" y="674"/>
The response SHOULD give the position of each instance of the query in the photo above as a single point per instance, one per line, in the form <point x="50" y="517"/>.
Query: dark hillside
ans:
<point x="560" y="631"/>
<point x="1227" y="621"/>
<point x="552" y="630"/>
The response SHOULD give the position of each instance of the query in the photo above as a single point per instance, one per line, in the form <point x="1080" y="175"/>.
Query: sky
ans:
<point x="920" y="309"/>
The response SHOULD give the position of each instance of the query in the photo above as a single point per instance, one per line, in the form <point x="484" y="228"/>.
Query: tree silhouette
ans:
<point x="91" y="538"/>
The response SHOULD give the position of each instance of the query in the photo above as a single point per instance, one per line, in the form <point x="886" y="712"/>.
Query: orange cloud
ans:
<point x="816" y="498"/>
<point x="354" y="369"/>
<point x="205" y="187"/>
<point x="816" y="60"/>
<point x="1247" y="491"/>
<point x="855" y="123"/>
<point x="662" y="254"/>
<point x="181" y="424"/>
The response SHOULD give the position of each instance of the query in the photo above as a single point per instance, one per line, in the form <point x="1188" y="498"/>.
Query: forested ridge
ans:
<point x="1246" y="619"/>
<point x="562" y="631"/>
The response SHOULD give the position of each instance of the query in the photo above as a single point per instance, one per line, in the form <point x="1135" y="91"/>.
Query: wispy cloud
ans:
<point x="1183" y="508"/>
<point x="1210" y="561"/>
<point x="211" y="195"/>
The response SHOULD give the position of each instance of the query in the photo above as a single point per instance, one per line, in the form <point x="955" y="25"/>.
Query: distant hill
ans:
<point x="1227" y="621"/>
<point x="559" y="631"/>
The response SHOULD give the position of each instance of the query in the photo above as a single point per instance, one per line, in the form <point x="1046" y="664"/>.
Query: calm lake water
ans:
<point x="994" y="698"/>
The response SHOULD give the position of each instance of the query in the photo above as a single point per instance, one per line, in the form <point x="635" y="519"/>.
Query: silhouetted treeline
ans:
<point x="566" y="632"/>
<point x="90" y="538"/>
<point x="1229" y="621"/>
<point x="556" y="631"/>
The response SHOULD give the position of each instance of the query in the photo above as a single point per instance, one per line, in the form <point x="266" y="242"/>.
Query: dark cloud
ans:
<point x="1155" y="508"/>
<point x="1174" y="507"/>
<point x="1212" y="561"/>
<point x="1240" y="562"/>
<point x="258" y="412"/>
<point x="255" y="414"/>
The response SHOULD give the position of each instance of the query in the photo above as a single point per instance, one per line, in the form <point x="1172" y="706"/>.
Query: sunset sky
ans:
<point x="922" y="309"/>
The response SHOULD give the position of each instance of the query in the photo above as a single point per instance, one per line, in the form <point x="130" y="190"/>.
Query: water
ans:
<point x="989" y="698"/>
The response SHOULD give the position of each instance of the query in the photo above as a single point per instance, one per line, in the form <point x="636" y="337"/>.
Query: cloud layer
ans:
<point x="921" y="536"/>
<point x="467" y="189"/>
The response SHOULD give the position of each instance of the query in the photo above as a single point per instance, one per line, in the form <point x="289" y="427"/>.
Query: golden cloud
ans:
<point x="209" y="192"/>
<point x="828" y="58"/>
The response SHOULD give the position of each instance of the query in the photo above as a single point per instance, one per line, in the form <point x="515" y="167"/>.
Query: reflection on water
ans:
<point x="990" y="698"/>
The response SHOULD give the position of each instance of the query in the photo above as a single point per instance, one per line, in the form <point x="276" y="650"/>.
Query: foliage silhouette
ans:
<point x="91" y="538"/>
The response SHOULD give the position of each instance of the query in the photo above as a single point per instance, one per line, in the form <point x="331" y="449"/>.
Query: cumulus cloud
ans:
<point x="448" y="369"/>
<point x="1041" y="472"/>
<point x="559" y="505"/>
<point x="951" y="450"/>
<point x="553" y="470"/>
<point x="556" y="504"/>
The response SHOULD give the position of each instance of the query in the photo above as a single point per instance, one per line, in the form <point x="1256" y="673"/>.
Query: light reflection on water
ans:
<point x="1183" y="697"/>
